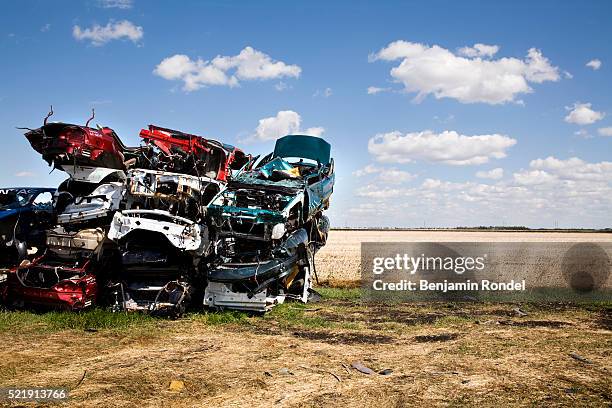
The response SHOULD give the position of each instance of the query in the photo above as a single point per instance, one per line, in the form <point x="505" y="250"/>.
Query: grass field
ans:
<point x="458" y="354"/>
<point x="436" y="354"/>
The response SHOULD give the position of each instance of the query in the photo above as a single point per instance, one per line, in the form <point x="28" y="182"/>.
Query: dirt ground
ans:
<point x="437" y="355"/>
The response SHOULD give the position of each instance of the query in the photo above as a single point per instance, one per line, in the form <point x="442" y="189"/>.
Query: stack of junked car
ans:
<point x="180" y="221"/>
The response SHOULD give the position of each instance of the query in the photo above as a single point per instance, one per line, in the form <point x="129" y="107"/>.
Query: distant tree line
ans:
<point x="497" y="227"/>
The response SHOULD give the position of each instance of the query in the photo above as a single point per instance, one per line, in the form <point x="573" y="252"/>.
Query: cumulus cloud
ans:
<point x="395" y="176"/>
<point x="368" y="169"/>
<point x="574" y="169"/>
<point x="573" y="192"/>
<point x="45" y="28"/>
<point x="466" y="77"/>
<point x="582" y="114"/>
<point x="120" y="4"/>
<point x="479" y="50"/>
<point x="493" y="174"/>
<point x="100" y="35"/>
<point x="250" y="64"/>
<point x="283" y="123"/>
<point x="385" y="175"/>
<point x="606" y="131"/>
<point x="314" y="131"/>
<point x="595" y="64"/>
<point x="533" y="177"/>
<point x="448" y="147"/>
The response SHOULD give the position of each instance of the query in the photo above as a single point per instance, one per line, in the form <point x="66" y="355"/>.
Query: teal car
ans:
<point x="268" y="223"/>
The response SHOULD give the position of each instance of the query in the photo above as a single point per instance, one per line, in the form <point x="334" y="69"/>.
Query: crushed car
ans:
<point x="162" y="233"/>
<point x="179" y="152"/>
<point x="81" y="205"/>
<point x="161" y="238"/>
<point x="25" y="214"/>
<point x="268" y="223"/>
<point x="87" y="154"/>
<point x="66" y="276"/>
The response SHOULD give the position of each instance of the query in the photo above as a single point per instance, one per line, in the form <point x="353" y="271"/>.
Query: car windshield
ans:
<point x="13" y="199"/>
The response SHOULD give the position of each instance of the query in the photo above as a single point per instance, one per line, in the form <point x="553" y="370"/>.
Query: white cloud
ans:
<point x="607" y="131"/>
<point x="435" y="70"/>
<point x="100" y="35"/>
<point x="395" y="176"/>
<point x="479" y="50"/>
<point x="574" y="169"/>
<point x="594" y="63"/>
<point x="284" y="123"/>
<point x="582" y="114"/>
<point x="248" y="65"/>
<point x="45" y="28"/>
<point x="373" y="90"/>
<point x="448" y="147"/>
<point x="385" y="175"/>
<point x="533" y="177"/>
<point x="25" y="174"/>
<point x="494" y="174"/>
<point x="120" y="4"/>
<point x="571" y="192"/>
<point x="368" y="169"/>
<point x="315" y="131"/>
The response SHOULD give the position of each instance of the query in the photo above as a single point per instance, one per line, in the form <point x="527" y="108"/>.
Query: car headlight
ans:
<point x="278" y="231"/>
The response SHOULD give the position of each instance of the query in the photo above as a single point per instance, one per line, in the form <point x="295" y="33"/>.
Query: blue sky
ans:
<point x="541" y="119"/>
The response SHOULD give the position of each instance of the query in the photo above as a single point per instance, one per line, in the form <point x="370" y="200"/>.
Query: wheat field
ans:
<point x="339" y="260"/>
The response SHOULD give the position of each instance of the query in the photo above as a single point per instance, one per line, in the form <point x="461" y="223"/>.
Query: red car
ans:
<point x="89" y="154"/>
<point x="63" y="145"/>
<point x="192" y="154"/>
<point x="53" y="285"/>
<point x="65" y="277"/>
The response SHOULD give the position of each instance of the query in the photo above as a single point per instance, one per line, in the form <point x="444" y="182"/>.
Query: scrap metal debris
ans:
<point x="578" y="357"/>
<point x="179" y="221"/>
<point x="359" y="366"/>
<point x="518" y="312"/>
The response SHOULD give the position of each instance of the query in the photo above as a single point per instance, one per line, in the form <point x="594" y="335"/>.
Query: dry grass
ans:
<point x="440" y="354"/>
